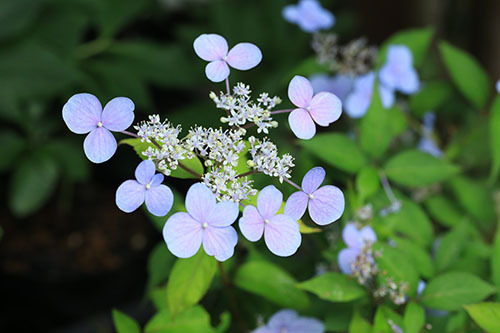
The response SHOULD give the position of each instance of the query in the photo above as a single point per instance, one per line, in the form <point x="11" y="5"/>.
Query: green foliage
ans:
<point x="160" y="263"/>
<point x="11" y="147"/>
<point x="417" y="40"/>
<point x="383" y="317"/>
<point x="486" y="315"/>
<point x="494" y="132"/>
<point x="359" y="324"/>
<point x="124" y="323"/>
<point x="334" y="287"/>
<point x="367" y="182"/>
<point x="414" y="318"/>
<point x="16" y="15"/>
<point x="443" y="210"/>
<point x="432" y="96"/>
<point x="195" y="319"/>
<point x="418" y="255"/>
<point x="495" y="260"/>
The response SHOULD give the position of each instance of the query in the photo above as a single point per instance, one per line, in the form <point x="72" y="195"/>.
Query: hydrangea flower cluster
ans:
<point x="309" y="16"/>
<point x="288" y="321"/>
<point x="212" y="203"/>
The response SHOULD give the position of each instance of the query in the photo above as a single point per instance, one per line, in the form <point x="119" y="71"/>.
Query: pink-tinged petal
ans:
<point x="99" y="145"/>
<point x="145" y="171"/>
<point x="282" y="235"/>
<point x="183" y="235"/>
<point x="296" y="205"/>
<point x="352" y="237"/>
<point x="346" y="258"/>
<point x="118" y="114"/>
<point x="210" y="47"/>
<point x="220" y="242"/>
<point x="313" y="179"/>
<point x="217" y="71"/>
<point x="309" y="325"/>
<point x="301" y="124"/>
<point x="327" y="205"/>
<point x="282" y="318"/>
<point x="300" y="91"/>
<point x="130" y="196"/>
<point x="244" y="56"/>
<point x="81" y="113"/>
<point x="200" y="201"/>
<point x="368" y="235"/>
<point x="269" y="201"/>
<point x="223" y="215"/>
<point x="157" y="180"/>
<point x="251" y="224"/>
<point x="159" y="200"/>
<point x="325" y="108"/>
<point x="387" y="96"/>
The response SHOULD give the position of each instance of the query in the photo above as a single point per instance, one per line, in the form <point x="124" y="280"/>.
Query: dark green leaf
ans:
<point x="495" y="260"/>
<point x="115" y="14"/>
<point x="124" y="323"/>
<point x="385" y="319"/>
<point x="452" y="246"/>
<point x="431" y="97"/>
<point x="486" y="315"/>
<point x="11" y="147"/>
<point x="17" y="15"/>
<point x="494" y="131"/>
<point x="334" y="287"/>
<point x="160" y="262"/>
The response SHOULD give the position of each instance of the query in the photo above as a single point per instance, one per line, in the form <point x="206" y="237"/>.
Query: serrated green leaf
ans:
<point x="486" y="315"/>
<point x="124" y="323"/>
<point x="334" y="287"/>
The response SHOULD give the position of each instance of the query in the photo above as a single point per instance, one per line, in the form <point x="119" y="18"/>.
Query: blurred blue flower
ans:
<point x="398" y="72"/>
<point x="498" y="86"/>
<point x="281" y="232"/>
<point x="289" y="321"/>
<point x="339" y="85"/>
<point x="355" y="240"/>
<point x="309" y="16"/>
<point x="426" y="143"/>
<point x="360" y="98"/>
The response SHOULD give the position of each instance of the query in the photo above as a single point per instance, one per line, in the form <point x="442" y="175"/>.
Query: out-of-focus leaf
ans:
<point x="334" y="287"/>
<point x="450" y="291"/>
<point x="486" y="315"/>
<point x="420" y="258"/>
<point x="305" y="229"/>
<point x="467" y="74"/>
<point x="367" y="182"/>
<point x="414" y="318"/>
<point x="385" y="319"/>
<point x="495" y="260"/>
<point x="160" y="263"/>
<point x="359" y="324"/>
<point x="124" y="323"/>
<point x="271" y="282"/>
<point x="195" y="319"/>
<point x="309" y="67"/>
<point x="417" y="40"/>
<point x="12" y="145"/>
<point x="431" y="96"/>
<point x="451" y="246"/>
<point x="17" y="15"/>
<point x="189" y="281"/>
<point x="338" y="317"/>
<point x="115" y="14"/>
<point x="443" y="210"/>
<point x="70" y="158"/>
<point x="456" y="321"/>
<point x="415" y="168"/>
<point x="337" y="150"/>
<point x="494" y="124"/>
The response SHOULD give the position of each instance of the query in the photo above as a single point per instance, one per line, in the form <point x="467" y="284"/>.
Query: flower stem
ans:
<point x="232" y="299"/>
<point x="292" y="183"/>
<point x="189" y="170"/>
<point x="387" y="188"/>
<point x="130" y="134"/>
<point x="248" y="173"/>
<point x="282" y="111"/>
<point x="227" y="86"/>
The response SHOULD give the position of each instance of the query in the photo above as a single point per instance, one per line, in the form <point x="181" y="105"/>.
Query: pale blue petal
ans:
<point x="301" y="124"/>
<point x="352" y="237"/>
<point x="346" y="258"/>
<point x="145" y="171"/>
<point x="300" y="91"/>
<point x="327" y="206"/>
<point x="244" y="56"/>
<point x="220" y="242"/>
<point x="305" y="324"/>
<point x="223" y="215"/>
<point x="210" y="47"/>
<point x="399" y="56"/>
<point x="99" y="145"/>
<point x="368" y="235"/>
<point x="282" y="235"/>
<point x="157" y="180"/>
<point x="498" y="86"/>
<point x="387" y="96"/>
<point x="81" y="113"/>
<point x="421" y="287"/>
<point x="282" y="318"/>
<point x="428" y="146"/>
<point x="200" y="201"/>
<point x="325" y="108"/>
<point x="296" y="205"/>
<point x="290" y="13"/>
<point x="269" y="201"/>
<point x="183" y="235"/>
<point x="357" y="104"/>
<point x="312" y="17"/>
<point x="130" y="196"/>
<point x="118" y="114"/>
<point x="251" y="224"/>
<point x="339" y="85"/>
<point x="408" y="82"/>
<point x="217" y="71"/>
<point x="313" y="179"/>
<point x="159" y="200"/>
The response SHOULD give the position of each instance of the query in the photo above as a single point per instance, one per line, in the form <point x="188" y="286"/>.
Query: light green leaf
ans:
<point x="415" y="168"/>
<point x="189" y="281"/>
<point x="359" y="324"/>
<point x="452" y="246"/>
<point x="414" y="318"/>
<point x="431" y="97"/>
<point x="334" y="287"/>
<point x="494" y="130"/>
<point x="443" y="210"/>
<point x="160" y="262"/>
<point x="417" y="40"/>
<point x="467" y="74"/>
<point x="195" y="319"/>
<point x="486" y="315"/>
<point x="384" y="317"/>
<point x="420" y="258"/>
<point x="450" y="291"/>
<point x="271" y="282"/>
<point x="367" y="182"/>
<point x="124" y="323"/>
<point x="337" y="150"/>
<point x="495" y="260"/>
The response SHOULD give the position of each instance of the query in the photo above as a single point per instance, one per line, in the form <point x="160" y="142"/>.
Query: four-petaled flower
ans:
<point x="323" y="108"/>
<point x="281" y="232"/>
<point x="288" y="321"/>
<point x="214" y="48"/>
<point x="326" y="203"/>
<point x="355" y="240"/>
<point x="359" y="100"/>
<point x="398" y="72"/>
<point x="83" y="114"/>
<point x="205" y="222"/>
<point x="309" y="16"/>
<point x="147" y="188"/>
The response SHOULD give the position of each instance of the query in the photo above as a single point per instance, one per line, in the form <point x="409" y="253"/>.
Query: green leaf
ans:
<point x="431" y="97"/>
<point x="495" y="260"/>
<point x="494" y="132"/>
<point x="271" y="282"/>
<point x="450" y="291"/>
<point x="12" y="145"/>
<point x="195" y="319"/>
<point x="486" y="315"/>
<point x="417" y="40"/>
<point x="452" y="246"/>
<point x="337" y="150"/>
<point x="17" y="15"/>
<point x="415" y="168"/>
<point x="384" y="317"/>
<point x="443" y="210"/>
<point x="420" y="258"/>
<point x="32" y="185"/>
<point x="367" y="182"/>
<point x="359" y="324"/>
<point x="160" y="262"/>
<point x="467" y="74"/>
<point x="71" y="159"/>
<point x="338" y="317"/>
<point x="189" y="281"/>
<point x="124" y="323"/>
<point x="115" y="14"/>
<point x="414" y="318"/>
<point x="334" y="287"/>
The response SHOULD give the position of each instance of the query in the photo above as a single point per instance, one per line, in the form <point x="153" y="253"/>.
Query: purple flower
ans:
<point x="281" y="232"/>
<point x="339" y="85"/>
<point x="355" y="240"/>
<point x="358" y="102"/>
<point x="326" y="203"/>
<point x="83" y="114"/>
<point x="309" y="16"/>
<point x="213" y="48"/>
<point x="205" y="222"/>
<point x="398" y="72"/>
<point x="289" y="321"/>
<point x="148" y="187"/>
<point x="323" y="108"/>
<point x="498" y="86"/>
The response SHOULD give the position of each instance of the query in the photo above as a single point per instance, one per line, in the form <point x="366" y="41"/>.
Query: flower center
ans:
<point x="310" y="196"/>
<point x="204" y="225"/>
<point x="99" y="124"/>
<point x="224" y="58"/>
<point x="266" y="221"/>
<point x="148" y="186"/>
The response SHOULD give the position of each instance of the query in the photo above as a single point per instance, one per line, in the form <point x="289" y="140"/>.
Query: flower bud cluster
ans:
<point x="265" y="159"/>
<point x="364" y="268"/>
<point x="227" y="186"/>
<point x="395" y="290"/>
